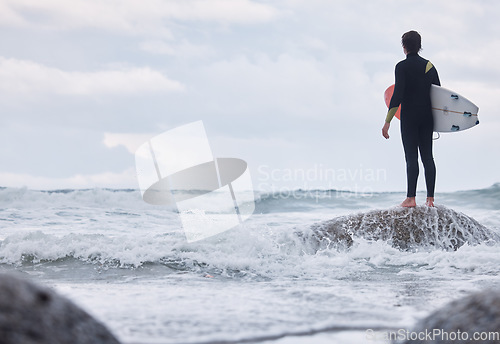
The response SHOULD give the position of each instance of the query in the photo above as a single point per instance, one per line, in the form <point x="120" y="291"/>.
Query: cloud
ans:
<point x="131" y="141"/>
<point x="263" y="85"/>
<point x="9" y="17"/>
<point x="183" y="49"/>
<point x="130" y="16"/>
<point x="21" y="76"/>
<point x="306" y="72"/>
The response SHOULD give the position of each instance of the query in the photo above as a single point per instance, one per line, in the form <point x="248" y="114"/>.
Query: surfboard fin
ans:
<point x="467" y="114"/>
<point x="455" y="128"/>
<point x="454" y="96"/>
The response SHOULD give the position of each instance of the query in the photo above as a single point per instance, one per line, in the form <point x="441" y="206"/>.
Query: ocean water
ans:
<point x="128" y="264"/>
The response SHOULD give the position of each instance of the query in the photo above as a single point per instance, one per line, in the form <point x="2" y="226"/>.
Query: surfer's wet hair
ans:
<point x="412" y="42"/>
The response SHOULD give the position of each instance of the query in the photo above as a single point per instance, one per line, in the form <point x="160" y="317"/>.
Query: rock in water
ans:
<point x="461" y="320"/>
<point x="32" y="314"/>
<point x="404" y="228"/>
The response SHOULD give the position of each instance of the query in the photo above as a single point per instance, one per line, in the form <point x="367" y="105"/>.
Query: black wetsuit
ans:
<point x="414" y="77"/>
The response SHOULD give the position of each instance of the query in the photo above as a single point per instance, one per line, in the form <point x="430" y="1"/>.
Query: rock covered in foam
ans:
<point x="404" y="228"/>
<point x="31" y="314"/>
<point x="461" y="320"/>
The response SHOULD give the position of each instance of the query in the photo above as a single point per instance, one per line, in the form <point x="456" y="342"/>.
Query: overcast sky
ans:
<point x="294" y="87"/>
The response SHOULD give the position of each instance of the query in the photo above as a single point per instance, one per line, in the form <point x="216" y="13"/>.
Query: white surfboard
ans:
<point x="452" y="112"/>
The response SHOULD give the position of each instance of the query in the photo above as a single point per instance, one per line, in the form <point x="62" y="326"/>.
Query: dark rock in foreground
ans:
<point x="403" y="228"/>
<point x="461" y="320"/>
<point x="32" y="314"/>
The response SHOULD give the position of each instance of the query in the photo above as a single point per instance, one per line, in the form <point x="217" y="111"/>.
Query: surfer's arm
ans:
<point x="385" y="130"/>
<point x="397" y="96"/>
<point x="390" y="114"/>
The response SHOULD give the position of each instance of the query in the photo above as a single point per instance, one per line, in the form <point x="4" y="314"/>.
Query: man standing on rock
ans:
<point x="414" y="77"/>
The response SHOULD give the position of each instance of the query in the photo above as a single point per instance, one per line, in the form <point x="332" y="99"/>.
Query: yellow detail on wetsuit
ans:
<point x="428" y="67"/>
<point x="390" y="114"/>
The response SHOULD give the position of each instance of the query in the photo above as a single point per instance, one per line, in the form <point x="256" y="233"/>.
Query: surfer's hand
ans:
<point x="385" y="130"/>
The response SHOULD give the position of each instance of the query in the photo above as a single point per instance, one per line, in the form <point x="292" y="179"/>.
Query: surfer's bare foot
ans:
<point x="409" y="202"/>
<point x="429" y="202"/>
